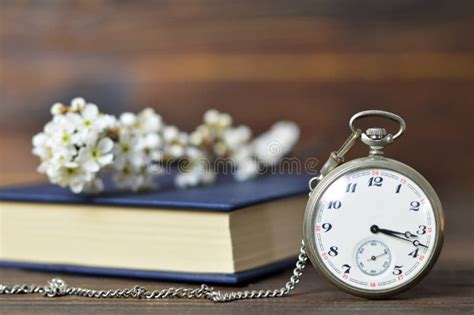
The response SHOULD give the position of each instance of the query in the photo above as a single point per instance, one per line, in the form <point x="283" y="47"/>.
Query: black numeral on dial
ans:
<point x="347" y="268"/>
<point x="375" y="181"/>
<point x="421" y="230"/>
<point x="399" y="187"/>
<point x="414" y="253"/>
<point x="397" y="270"/>
<point x="333" y="251"/>
<point x="327" y="227"/>
<point x="414" y="206"/>
<point x="351" y="187"/>
<point x="334" y="204"/>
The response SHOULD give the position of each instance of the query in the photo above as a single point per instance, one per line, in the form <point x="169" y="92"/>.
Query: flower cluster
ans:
<point x="74" y="146"/>
<point x="218" y="139"/>
<point x="138" y="141"/>
<point x="80" y="142"/>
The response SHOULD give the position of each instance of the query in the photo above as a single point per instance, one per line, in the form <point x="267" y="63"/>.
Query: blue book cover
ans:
<point x="224" y="195"/>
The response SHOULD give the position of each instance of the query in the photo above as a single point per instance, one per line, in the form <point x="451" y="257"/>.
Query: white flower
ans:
<point x="246" y="170"/>
<point x="176" y="151"/>
<point x="196" y="138"/>
<point x="40" y="146"/>
<point x="73" y="177"/>
<point x="78" y="104"/>
<point x="211" y="117"/>
<point x="64" y="156"/>
<point x="182" y="138"/>
<point x="175" y="142"/>
<point x="58" y="109"/>
<point x="108" y="121"/>
<point x="130" y="177"/>
<point x="215" y="118"/>
<point x="243" y="153"/>
<point x="90" y="120"/>
<point x="149" y="121"/>
<point x="194" y="153"/>
<point x="128" y="119"/>
<point x="149" y="142"/>
<point x="224" y="121"/>
<point x="139" y="143"/>
<point x="237" y="137"/>
<point x="92" y="158"/>
<point x="124" y="148"/>
<point x="170" y="133"/>
<point x="197" y="175"/>
<point x="89" y="114"/>
<point x="62" y="130"/>
<point x="276" y="143"/>
<point x="56" y="145"/>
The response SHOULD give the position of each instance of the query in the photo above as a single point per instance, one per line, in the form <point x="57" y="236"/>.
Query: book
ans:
<point x="230" y="232"/>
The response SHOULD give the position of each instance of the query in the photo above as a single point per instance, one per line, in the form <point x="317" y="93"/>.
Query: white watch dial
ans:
<point x="374" y="229"/>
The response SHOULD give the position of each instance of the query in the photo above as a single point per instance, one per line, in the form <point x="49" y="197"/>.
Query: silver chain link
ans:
<point x="57" y="287"/>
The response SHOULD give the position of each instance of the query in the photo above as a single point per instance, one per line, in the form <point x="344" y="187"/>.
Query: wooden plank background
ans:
<point x="314" y="62"/>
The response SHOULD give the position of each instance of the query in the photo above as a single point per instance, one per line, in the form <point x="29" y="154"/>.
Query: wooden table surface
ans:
<point x="449" y="288"/>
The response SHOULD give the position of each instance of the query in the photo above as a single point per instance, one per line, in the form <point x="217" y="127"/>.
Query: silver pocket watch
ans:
<point x="373" y="227"/>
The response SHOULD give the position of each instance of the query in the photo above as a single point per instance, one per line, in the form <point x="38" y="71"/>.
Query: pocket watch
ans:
<point x="373" y="226"/>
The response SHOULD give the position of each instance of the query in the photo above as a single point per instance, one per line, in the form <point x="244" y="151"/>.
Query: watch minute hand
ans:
<point x="375" y="229"/>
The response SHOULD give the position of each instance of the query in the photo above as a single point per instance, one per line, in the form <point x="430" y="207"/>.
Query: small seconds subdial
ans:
<point x="373" y="257"/>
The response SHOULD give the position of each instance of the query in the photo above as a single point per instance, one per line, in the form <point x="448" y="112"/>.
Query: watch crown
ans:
<point x="376" y="133"/>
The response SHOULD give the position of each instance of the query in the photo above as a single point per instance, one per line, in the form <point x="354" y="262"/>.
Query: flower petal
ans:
<point x="152" y="140"/>
<point x="73" y="119"/>
<point x="71" y="164"/>
<point x="105" y="145"/>
<point x="128" y="119"/>
<point x="91" y="165"/>
<point x="90" y="112"/>
<point x="39" y="139"/>
<point x="57" y="109"/>
<point x="106" y="159"/>
<point x="76" y="186"/>
<point x="78" y="103"/>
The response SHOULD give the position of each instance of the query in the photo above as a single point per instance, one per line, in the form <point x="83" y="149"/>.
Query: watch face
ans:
<point x="373" y="230"/>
